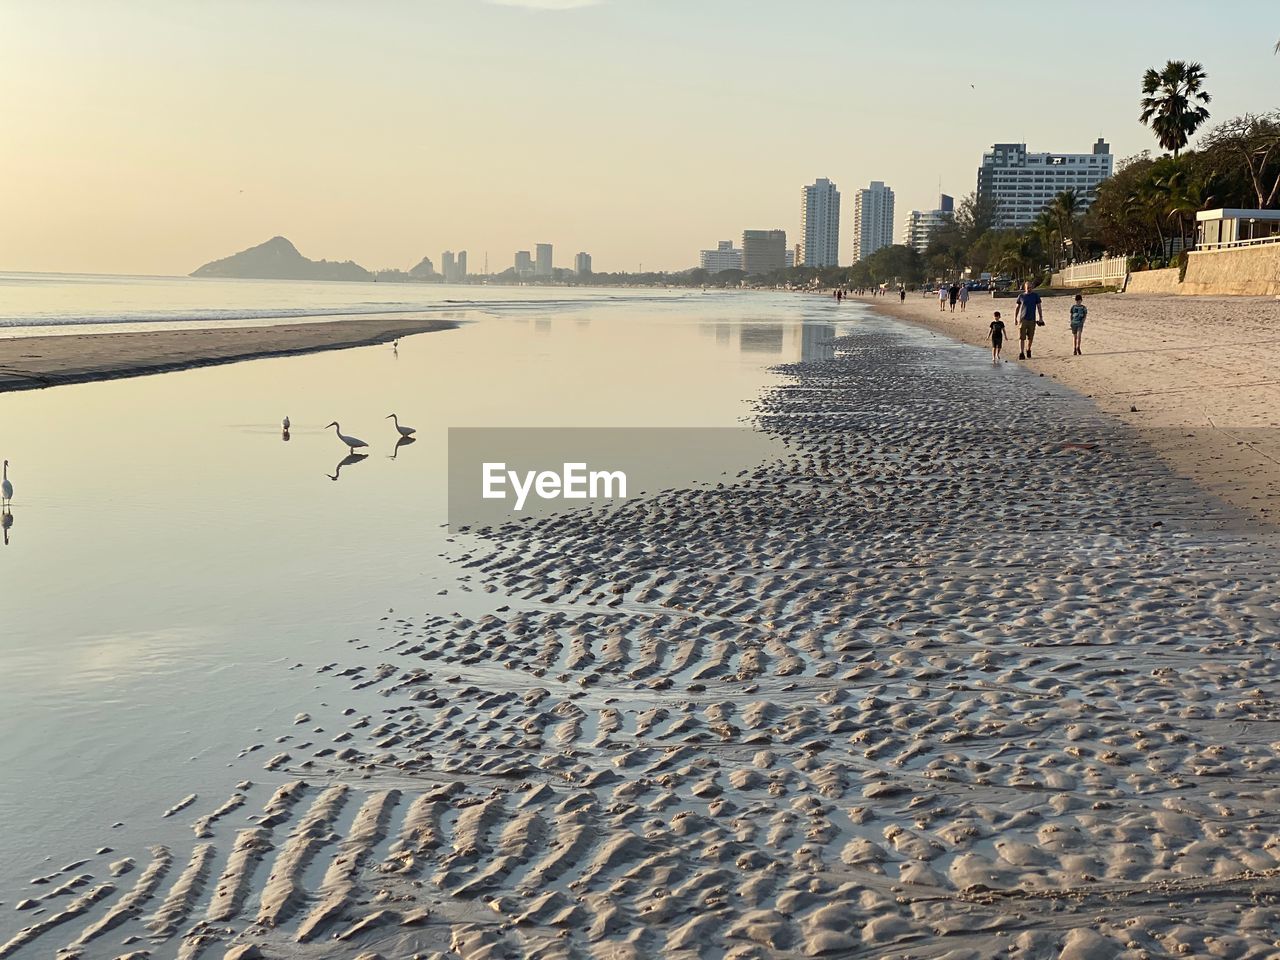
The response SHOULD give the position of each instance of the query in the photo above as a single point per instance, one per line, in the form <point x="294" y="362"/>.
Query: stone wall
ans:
<point x="1154" y="281"/>
<point x="1241" y="272"/>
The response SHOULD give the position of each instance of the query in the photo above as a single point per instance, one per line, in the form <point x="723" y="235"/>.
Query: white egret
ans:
<point x="351" y="442"/>
<point x="6" y="488"/>
<point x="404" y="431"/>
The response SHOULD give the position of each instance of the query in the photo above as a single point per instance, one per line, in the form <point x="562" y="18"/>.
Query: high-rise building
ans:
<point x="460" y="267"/>
<point x="918" y="227"/>
<point x="819" y="225"/>
<point x="872" y="220"/>
<point x="724" y="257"/>
<point x="582" y="264"/>
<point x="542" y="263"/>
<point x="764" y="251"/>
<point x="524" y="263"/>
<point x="1021" y="184"/>
<point x="448" y="267"/>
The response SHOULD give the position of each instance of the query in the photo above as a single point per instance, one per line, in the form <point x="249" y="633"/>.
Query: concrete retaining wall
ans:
<point x="1154" y="281"/>
<point x="1242" y="272"/>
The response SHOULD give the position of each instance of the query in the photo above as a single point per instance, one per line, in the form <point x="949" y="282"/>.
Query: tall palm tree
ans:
<point x="1173" y="105"/>
<point x="1066" y="209"/>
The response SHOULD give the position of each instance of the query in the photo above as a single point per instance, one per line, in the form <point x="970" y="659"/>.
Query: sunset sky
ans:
<point x="150" y="137"/>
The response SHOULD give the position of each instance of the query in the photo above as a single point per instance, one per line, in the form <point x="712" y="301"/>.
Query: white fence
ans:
<point x="1102" y="271"/>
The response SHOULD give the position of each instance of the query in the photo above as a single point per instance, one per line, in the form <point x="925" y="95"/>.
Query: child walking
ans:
<point x="1078" y="313"/>
<point x="996" y="334"/>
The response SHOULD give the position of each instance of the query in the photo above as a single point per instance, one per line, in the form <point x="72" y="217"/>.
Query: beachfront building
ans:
<point x="1225" y="228"/>
<point x="724" y="257"/>
<point x="764" y="251"/>
<point x="918" y="227"/>
<point x="448" y="266"/>
<point x="872" y="220"/>
<point x="524" y="263"/>
<point x="819" y="225"/>
<point x="582" y="264"/>
<point x="542" y="260"/>
<point x="1021" y="184"/>
<point x="460" y="267"/>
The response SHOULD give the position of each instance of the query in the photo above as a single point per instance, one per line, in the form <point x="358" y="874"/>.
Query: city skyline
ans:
<point x="247" y="139"/>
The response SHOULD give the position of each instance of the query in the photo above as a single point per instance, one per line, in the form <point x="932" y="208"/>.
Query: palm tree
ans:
<point x="1066" y="209"/>
<point x="1173" y="102"/>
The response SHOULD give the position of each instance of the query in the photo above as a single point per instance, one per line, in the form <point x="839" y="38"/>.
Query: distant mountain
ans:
<point x="278" y="259"/>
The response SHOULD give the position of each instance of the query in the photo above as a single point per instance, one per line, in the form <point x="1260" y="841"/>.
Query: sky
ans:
<point x="151" y="137"/>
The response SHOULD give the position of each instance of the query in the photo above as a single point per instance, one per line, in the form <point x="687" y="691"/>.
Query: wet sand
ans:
<point x="1197" y="376"/>
<point x="969" y="672"/>
<point x="28" y="363"/>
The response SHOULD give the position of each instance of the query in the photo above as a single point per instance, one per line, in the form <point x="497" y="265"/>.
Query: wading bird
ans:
<point x="351" y="442"/>
<point x="404" y="431"/>
<point x="285" y="424"/>
<point x="6" y="488"/>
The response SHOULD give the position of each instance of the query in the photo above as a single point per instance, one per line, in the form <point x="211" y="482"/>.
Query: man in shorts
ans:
<point x="1029" y="312"/>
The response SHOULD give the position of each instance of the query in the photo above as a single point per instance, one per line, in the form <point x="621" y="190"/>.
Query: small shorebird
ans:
<point x="285" y="423"/>
<point x="6" y="488"/>
<point x="404" y="431"/>
<point x="351" y="442"/>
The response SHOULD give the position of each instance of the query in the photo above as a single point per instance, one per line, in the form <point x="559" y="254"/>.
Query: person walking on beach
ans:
<point x="964" y="296"/>
<point x="1078" y="312"/>
<point x="902" y="294"/>
<point x="996" y="334"/>
<point x="942" y="296"/>
<point x="954" y="293"/>
<point x="1029" y="313"/>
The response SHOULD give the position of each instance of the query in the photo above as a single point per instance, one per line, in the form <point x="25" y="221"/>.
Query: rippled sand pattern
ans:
<point x="966" y="673"/>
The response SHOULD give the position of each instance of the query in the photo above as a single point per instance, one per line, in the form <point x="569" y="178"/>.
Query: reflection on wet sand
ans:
<point x="346" y="461"/>
<point x="6" y="521"/>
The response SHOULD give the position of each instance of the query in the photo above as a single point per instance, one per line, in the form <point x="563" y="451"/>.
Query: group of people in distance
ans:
<point x="1028" y="312"/>
<point x="956" y="293"/>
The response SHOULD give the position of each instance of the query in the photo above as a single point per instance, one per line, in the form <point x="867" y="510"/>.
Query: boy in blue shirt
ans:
<point x="1078" y="312"/>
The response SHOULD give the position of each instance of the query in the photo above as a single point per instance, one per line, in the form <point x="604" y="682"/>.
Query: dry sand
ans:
<point x="31" y="362"/>
<point x="917" y="689"/>
<point x="1202" y="372"/>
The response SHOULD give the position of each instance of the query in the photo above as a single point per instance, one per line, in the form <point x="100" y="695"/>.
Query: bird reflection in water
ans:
<point x="402" y="442"/>
<point x="346" y="461"/>
<point x="6" y="521"/>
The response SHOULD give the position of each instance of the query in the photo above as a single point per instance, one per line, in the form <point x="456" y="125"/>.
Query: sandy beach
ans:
<point x="863" y="701"/>
<point x="28" y="363"/>
<point x="1195" y="375"/>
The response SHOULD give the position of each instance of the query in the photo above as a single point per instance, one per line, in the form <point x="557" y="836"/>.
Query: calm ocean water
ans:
<point x="55" y="303"/>
<point x="172" y="560"/>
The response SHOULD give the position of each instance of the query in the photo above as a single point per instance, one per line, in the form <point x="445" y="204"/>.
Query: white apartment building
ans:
<point x="724" y="257"/>
<point x="918" y="227"/>
<point x="582" y="264"/>
<point x="820" y="224"/>
<point x="1021" y="184"/>
<point x="542" y="260"/>
<point x="872" y="220"/>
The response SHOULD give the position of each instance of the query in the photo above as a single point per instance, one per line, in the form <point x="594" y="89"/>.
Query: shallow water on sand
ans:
<point x="171" y="557"/>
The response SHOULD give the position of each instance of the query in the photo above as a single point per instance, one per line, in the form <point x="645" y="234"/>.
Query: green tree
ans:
<point x="1173" y="103"/>
<point x="1249" y="147"/>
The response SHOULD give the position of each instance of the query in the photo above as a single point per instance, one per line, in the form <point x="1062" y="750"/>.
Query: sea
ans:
<point x="177" y="571"/>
